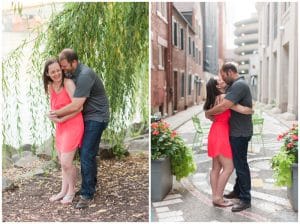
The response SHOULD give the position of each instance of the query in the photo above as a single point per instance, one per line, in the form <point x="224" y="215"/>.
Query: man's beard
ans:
<point x="229" y="82"/>
<point x="68" y="75"/>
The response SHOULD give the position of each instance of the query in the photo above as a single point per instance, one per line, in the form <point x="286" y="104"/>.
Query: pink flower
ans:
<point x="155" y="132"/>
<point x="279" y="137"/>
<point x="154" y="125"/>
<point x="173" y="134"/>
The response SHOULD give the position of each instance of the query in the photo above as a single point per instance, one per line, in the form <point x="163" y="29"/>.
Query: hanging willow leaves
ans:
<point x="112" y="39"/>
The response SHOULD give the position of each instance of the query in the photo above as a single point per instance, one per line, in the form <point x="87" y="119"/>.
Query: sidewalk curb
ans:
<point x="185" y="121"/>
<point x="285" y="123"/>
<point x="167" y="119"/>
<point x="281" y="120"/>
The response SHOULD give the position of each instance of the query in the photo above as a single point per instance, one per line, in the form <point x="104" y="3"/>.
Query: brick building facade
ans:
<point x="176" y="64"/>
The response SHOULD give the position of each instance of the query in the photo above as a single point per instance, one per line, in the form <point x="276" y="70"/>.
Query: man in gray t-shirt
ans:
<point x="240" y="133"/>
<point x="90" y="86"/>
<point x="89" y="95"/>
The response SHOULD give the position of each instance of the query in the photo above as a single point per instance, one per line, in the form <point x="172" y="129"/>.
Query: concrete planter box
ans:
<point x="161" y="178"/>
<point x="293" y="190"/>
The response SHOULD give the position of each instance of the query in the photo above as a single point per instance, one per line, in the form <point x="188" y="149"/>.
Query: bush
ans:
<point x="167" y="143"/>
<point x="287" y="155"/>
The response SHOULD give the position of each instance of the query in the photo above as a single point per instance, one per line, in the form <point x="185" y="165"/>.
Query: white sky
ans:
<point x="237" y="10"/>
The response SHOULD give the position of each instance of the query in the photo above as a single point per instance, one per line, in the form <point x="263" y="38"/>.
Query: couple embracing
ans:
<point x="80" y="110"/>
<point x="229" y="135"/>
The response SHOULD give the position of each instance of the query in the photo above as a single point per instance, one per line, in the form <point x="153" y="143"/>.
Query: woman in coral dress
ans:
<point x="69" y="129"/>
<point x="218" y="141"/>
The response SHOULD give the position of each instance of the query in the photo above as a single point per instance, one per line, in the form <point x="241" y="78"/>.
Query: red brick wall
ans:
<point x="158" y="77"/>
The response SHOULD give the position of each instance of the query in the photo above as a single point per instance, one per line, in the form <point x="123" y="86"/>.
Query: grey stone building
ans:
<point x="278" y="57"/>
<point x="246" y="52"/>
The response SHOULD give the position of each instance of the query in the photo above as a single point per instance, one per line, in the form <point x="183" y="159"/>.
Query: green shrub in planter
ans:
<point x="167" y="143"/>
<point x="287" y="155"/>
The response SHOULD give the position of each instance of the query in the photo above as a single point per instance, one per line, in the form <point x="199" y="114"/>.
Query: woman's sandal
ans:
<point x="67" y="199"/>
<point x="222" y="203"/>
<point x="56" y="197"/>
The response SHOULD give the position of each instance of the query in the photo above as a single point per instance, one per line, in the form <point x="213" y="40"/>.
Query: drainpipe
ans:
<point x="169" y="78"/>
<point x="186" y="65"/>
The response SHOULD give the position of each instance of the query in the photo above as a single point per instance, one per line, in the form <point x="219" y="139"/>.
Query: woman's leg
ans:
<point x="227" y="169"/>
<point x="69" y="171"/>
<point x="64" y="185"/>
<point x="214" y="175"/>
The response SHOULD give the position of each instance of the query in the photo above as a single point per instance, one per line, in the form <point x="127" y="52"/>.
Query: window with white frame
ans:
<point x="190" y="85"/>
<point x="192" y="82"/>
<point x="175" y="33"/>
<point x="161" y="57"/>
<point x="178" y="35"/>
<point x="182" y="39"/>
<point x="199" y="32"/>
<point x="162" y="9"/>
<point x="193" y="48"/>
<point x="199" y="89"/>
<point x="190" y="46"/>
<point x="199" y="57"/>
<point x="182" y="84"/>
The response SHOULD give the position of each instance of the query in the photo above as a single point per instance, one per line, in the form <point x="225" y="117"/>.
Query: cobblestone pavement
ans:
<point x="190" y="200"/>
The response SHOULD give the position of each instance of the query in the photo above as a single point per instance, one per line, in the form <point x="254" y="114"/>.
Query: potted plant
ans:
<point x="285" y="164"/>
<point x="169" y="156"/>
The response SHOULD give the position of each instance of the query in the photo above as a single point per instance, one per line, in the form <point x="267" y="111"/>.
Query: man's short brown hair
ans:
<point x="68" y="54"/>
<point x="229" y="66"/>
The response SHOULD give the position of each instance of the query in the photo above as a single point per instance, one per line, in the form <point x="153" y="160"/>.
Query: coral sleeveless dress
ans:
<point x="218" y="137"/>
<point x="69" y="133"/>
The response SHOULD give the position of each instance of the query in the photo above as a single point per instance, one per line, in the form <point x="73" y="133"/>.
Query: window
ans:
<point x="190" y="85"/>
<point x="275" y="10"/>
<point x="199" y="89"/>
<point x="151" y="56"/>
<point x="193" y="48"/>
<point x="175" y="30"/>
<point x="162" y="9"/>
<point x="285" y="6"/>
<point x="161" y="57"/>
<point x="268" y="25"/>
<point x="199" y="57"/>
<point x="182" y="84"/>
<point x="190" y="46"/>
<point x="196" y="58"/>
<point x="181" y="39"/>
<point x="199" y="32"/>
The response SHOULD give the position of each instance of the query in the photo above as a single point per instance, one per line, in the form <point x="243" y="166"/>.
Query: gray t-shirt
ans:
<point x="239" y="93"/>
<point x="89" y="85"/>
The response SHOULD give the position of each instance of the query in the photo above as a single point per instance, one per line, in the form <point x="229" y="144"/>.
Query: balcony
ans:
<point x="248" y="29"/>
<point x="250" y="38"/>
<point x="246" y="49"/>
<point x="247" y="21"/>
<point x="239" y="58"/>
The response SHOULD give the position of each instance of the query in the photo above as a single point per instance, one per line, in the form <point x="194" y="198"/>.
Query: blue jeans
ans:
<point x="90" y="146"/>
<point x="242" y="187"/>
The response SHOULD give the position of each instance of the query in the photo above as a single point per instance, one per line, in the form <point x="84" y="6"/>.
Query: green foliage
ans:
<point x="166" y="143"/>
<point x="109" y="37"/>
<point x="281" y="164"/>
<point x="182" y="161"/>
<point x="119" y="150"/>
<point x="287" y="155"/>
